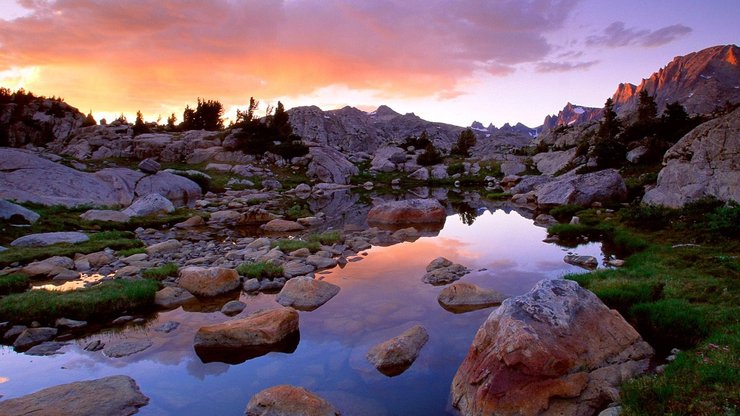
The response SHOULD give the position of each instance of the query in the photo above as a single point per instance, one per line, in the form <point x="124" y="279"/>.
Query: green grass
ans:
<point x="115" y="240"/>
<point x="97" y="303"/>
<point x="326" y="238"/>
<point x="131" y="251"/>
<point x="13" y="283"/>
<point x="259" y="270"/>
<point x="288" y="245"/>
<point x="565" y="212"/>
<point x="161" y="272"/>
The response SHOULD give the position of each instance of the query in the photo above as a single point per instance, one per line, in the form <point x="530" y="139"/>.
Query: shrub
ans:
<point x="724" y="221"/>
<point x="327" y="237"/>
<point x="429" y="157"/>
<point x="258" y="270"/>
<point x="455" y="168"/>
<point x="13" y="283"/>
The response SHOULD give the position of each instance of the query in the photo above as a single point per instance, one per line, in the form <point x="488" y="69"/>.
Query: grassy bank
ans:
<point x="680" y="289"/>
<point x="104" y="301"/>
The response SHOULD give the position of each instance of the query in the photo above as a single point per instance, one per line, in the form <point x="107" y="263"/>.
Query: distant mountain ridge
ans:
<point x="571" y="114"/>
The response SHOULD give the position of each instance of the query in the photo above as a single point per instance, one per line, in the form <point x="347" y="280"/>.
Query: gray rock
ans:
<point x="251" y="285"/>
<point x="13" y="332"/>
<point x="611" y="411"/>
<point x="464" y="297"/>
<point x="321" y="262"/>
<point x="111" y="396"/>
<point x="164" y="247"/>
<point x="512" y="167"/>
<point x="105" y="215"/>
<point x="306" y="294"/>
<point x="172" y="297"/>
<point x="550" y="163"/>
<point x="637" y="154"/>
<point x="148" y="205"/>
<point x="545" y="220"/>
<point x="278" y="225"/>
<point x="149" y="166"/>
<point x="16" y="213"/>
<point x="441" y="271"/>
<point x="602" y="186"/>
<point x="69" y="323"/>
<point x="271" y="184"/>
<point x="422" y="174"/>
<point x="233" y="307"/>
<point x="126" y="348"/>
<point x="529" y="183"/>
<point x="33" y="336"/>
<point x="396" y="355"/>
<point x="167" y="327"/>
<point x="47" y="239"/>
<point x="46" y="348"/>
<point x="587" y="262"/>
<point x="439" y="172"/>
<point x="329" y="165"/>
<point x="297" y="267"/>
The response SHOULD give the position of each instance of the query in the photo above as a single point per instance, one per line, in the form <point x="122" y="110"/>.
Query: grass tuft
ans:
<point x="258" y="270"/>
<point x="13" y="283"/>
<point x="161" y="272"/>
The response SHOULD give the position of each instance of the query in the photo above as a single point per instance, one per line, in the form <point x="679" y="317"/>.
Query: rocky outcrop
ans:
<point x="285" y="400"/>
<point x="549" y="163"/>
<point x="149" y="205"/>
<point x="329" y="165"/>
<point x="212" y="281"/>
<point x="306" y="294"/>
<point x="464" y="297"/>
<point x="705" y="162"/>
<point x="17" y="214"/>
<point x="557" y="349"/>
<point x="47" y="239"/>
<point x="571" y="115"/>
<point x="412" y="211"/>
<point x="114" y="396"/>
<point x="396" y="355"/>
<point x="37" y="121"/>
<point x="602" y="186"/>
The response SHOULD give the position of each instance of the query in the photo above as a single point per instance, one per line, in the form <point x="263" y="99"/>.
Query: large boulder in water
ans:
<point x="396" y="355"/>
<point x="211" y="281"/>
<point x="705" y="162"/>
<point x="115" y="396"/>
<point x="557" y="348"/>
<point x="601" y="186"/>
<point x="329" y="165"/>
<point x="305" y="293"/>
<point x="412" y="211"/>
<point x="286" y="400"/>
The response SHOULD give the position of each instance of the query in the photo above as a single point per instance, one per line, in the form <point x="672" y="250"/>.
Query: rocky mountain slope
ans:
<point x="571" y="114"/>
<point x="36" y="120"/>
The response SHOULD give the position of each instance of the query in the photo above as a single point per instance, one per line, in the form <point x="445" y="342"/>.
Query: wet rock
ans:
<point x="441" y="271"/>
<point x="587" y="262"/>
<point x="285" y="400"/>
<point x="126" y="348"/>
<point x="306" y="294"/>
<point x="171" y="297"/>
<point x="149" y="166"/>
<point x="212" y="281"/>
<point x="149" y="205"/>
<point x="46" y="348"/>
<point x="233" y="307"/>
<point x="47" y="239"/>
<point x="464" y="297"/>
<point x="545" y="220"/>
<point x="280" y="226"/>
<point x="412" y="211"/>
<point x="272" y="286"/>
<point x="164" y="247"/>
<point x="17" y="214"/>
<point x="194" y="221"/>
<point x="69" y="323"/>
<point x="93" y="346"/>
<point x="33" y="336"/>
<point x="251" y="285"/>
<point x="113" y="396"/>
<point x="167" y="327"/>
<point x="396" y="355"/>
<point x="259" y="330"/>
<point x="557" y="348"/>
<point x="321" y="262"/>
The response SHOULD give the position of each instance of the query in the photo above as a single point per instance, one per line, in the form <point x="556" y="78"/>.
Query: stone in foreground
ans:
<point x="212" y="281"/>
<point x="34" y="336"/>
<point x="557" y="348"/>
<point x="286" y="400"/>
<point x="306" y="294"/>
<point x="111" y="396"/>
<point x="47" y="239"/>
<point x="412" y="211"/>
<point x="396" y="355"/>
<point x="464" y="297"/>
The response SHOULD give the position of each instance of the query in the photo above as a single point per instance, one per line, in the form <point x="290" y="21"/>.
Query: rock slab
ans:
<point x="412" y="211"/>
<point x="557" y="348"/>
<point x="47" y="239"/>
<point x="258" y="330"/>
<point x="212" y="281"/>
<point x="306" y="294"/>
<point x="114" y="396"/>
<point x="286" y="400"/>
<point x="464" y="297"/>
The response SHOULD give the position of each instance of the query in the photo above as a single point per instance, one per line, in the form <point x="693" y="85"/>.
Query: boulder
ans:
<point x="512" y="167"/>
<point x="549" y="163"/>
<point x="285" y="400"/>
<point x="587" y="262"/>
<point x="306" y="294"/>
<point x="412" y="211"/>
<point x="194" y="221"/>
<point x="282" y="226"/>
<point x="104" y="215"/>
<point x="464" y="297"/>
<point x="171" y="297"/>
<point x="329" y="165"/>
<point x="396" y="355"/>
<point x="212" y="281"/>
<point x="178" y="189"/>
<point x="17" y="214"/>
<point x="48" y="267"/>
<point x="637" y="154"/>
<point x="421" y="174"/>
<point x="126" y="348"/>
<point x="47" y="239"/>
<point x="439" y="172"/>
<point x="148" y="205"/>
<point x="164" y="247"/>
<point x="557" y="349"/>
<point x="233" y="307"/>
<point x="441" y="271"/>
<point x="260" y="330"/>
<point x="298" y="267"/>
<point x="601" y="186"/>
<point x="703" y="163"/>
<point x="149" y="166"/>
<point x="113" y="396"/>
<point x="225" y="216"/>
<point x="33" y="336"/>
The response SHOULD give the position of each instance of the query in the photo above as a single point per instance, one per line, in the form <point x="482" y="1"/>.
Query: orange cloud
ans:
<point x="114" y="56"/>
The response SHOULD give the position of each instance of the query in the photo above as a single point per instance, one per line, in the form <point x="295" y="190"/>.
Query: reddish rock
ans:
<point x="396" y="355"/>
<point x="557" y="348"/>
<point x="260" y="329"/>
<point x="285" y="400"/>
<point x="412" y="211"/>
<point x="208" y="282"/>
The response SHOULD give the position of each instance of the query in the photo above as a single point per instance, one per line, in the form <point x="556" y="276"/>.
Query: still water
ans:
<point x="380" y="297"/>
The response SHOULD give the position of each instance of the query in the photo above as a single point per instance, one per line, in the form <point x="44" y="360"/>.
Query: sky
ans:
<point x="454" y="61"/>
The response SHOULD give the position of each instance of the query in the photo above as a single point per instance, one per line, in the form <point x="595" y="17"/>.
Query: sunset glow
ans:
<point x="492" y="61"/>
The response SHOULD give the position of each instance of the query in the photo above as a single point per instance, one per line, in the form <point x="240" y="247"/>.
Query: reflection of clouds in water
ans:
<point x="197" y="369"/>
<point x="501" y="264"/>
<point x="3" y="380"/>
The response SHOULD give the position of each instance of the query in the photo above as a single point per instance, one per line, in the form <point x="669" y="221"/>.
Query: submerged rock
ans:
<point x="306" y="294"/>
<point x="557" y="348"/>
<point x="111" y="396"/>
<point x="587" y="262"/>
<point x="396" y="355"/>
<point x="464" y="297"/>
<point x="172" y="297"/>
<point x="286" y="400"/>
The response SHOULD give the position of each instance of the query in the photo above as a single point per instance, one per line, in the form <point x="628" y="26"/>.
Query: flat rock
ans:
<point x="172" y="297"/>
<point x="306" y="294"/>
<point x="262" y="329"/>
<point x="149" y="205"/>
<point x="279" y="226"/>
<point x="321" y="262"/>
<point x="396" y="355"/>
<point x="47" y="239"/>
<point x="105" y="215"/>
<point x="164" y="247"/>
<point x="412" y="211"/>
<point x="126" y="348"/>
<point x="194" y="221"/>
<point x="297" y="268"/>
<point x="286" y="400"/>
<point x="33" y="336"/>
<point x="69" y="323"/>
<point x="213" y="281"/>
<point x="464" y="297"/>
<point x="49" y="267"/>
<point x="16" y="213"/>
<point x="557" y="349"/>
<point x="46" y="348"/>
<point x="110" y="396"/>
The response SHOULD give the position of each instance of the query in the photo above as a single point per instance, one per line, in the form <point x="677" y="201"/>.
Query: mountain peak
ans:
<point x="384" y="111"/>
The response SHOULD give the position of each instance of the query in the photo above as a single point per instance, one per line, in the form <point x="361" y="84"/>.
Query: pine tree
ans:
<point x="139" y="126"/>
<point x="465" y="141"/>
<point x="89" y="120"/>
<point x="171" y="120"/>
<point x="647" y="110"/>
<point x="609" y="152"/>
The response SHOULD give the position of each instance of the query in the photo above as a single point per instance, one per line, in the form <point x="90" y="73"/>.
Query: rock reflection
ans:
<point x="239" y="355"/>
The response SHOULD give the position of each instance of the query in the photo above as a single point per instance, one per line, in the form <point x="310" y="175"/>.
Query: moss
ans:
<point x="327" y="237"/>
<point x="13" y="283"/>
<point x="161" y="272"/>
<point x="131" y="251"/>
<point x="259" y="270"/>
<point x="97" y="303"/>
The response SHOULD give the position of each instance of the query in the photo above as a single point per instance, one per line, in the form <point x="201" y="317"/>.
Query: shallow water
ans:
<point x="381" y="296"/>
